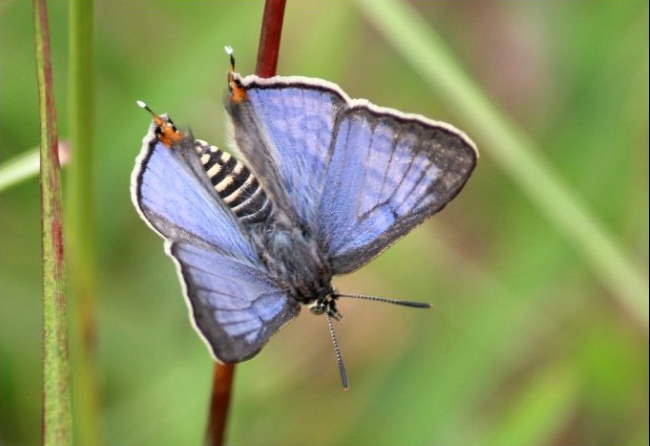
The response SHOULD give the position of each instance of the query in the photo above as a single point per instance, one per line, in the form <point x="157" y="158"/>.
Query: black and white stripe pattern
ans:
<point x="235" y="184"/>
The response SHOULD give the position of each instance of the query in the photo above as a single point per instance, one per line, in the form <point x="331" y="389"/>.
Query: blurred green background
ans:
<point x="525" y="345"/>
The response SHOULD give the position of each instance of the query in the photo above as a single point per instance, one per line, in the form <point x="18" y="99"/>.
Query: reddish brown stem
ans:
<point x="222" y="378"/>
<point x="269" y="46"/>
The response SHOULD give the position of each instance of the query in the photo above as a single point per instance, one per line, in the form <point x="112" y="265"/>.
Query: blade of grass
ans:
<point x="513" y="150"/>
<point x="27" y="165"/>
<point x="267" y="62"/>
<point x="19" y="168"/>
<point x="540" y="411"/>
<point x="80" y="224"/>
<point x="57" y="420"/>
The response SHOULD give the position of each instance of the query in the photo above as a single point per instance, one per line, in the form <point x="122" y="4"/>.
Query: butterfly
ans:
<point x="323" y="184"/>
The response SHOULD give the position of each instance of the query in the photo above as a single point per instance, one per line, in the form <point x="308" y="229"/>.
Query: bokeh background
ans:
<point x="524" y="345"/>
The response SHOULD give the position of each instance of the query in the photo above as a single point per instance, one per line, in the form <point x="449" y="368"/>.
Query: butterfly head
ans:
<point x="326" y="305"/>
<point x="166" y="131"/>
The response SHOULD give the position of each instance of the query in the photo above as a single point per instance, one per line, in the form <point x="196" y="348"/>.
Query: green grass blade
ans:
<point x="513" y="150"/>
<point x="57" y="420"/>
<point x="19" y="168"/>
<point x="540" y="411"/>
<point x="26" y="165"/>
<point x="80" y="224"/>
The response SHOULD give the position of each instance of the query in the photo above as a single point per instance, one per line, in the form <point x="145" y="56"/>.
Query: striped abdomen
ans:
<point x="235" y="184"/>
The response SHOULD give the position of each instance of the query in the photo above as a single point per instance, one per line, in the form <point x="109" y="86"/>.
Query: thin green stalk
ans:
<point x="80" y="223"/>
<point x="513" y="150"/>
<point x="57" y="420"/>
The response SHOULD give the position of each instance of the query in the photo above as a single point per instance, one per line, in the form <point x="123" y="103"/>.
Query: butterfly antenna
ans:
<point x="159" y="120"/>
<point x="144" y="105"/>
<point x="231" y="53"/>
<point x="156" y="117"/>
<point x="237" y="92"/>
<point x="404" y="303"/>
<point x="339" y="357"/>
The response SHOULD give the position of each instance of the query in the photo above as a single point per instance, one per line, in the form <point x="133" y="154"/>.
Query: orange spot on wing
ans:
<point x="168" y="135"/>
<point x="237" y="92"/>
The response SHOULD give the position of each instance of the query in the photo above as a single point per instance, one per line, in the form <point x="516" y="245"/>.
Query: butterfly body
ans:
<point x="289" y="252"/>
<point x="295" y="260"/>
<point x="322" y="184"/>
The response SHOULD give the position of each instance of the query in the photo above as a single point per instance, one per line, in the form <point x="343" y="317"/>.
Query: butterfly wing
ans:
<point x="284" y="129"/>
<point x="360" y="176"/>
<point x="233" y="304"/>
<point x="387" y="173"/>
<point x="174" y="196"/>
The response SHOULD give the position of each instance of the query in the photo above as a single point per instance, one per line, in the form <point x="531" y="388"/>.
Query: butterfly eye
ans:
<point x="317" y="308"/>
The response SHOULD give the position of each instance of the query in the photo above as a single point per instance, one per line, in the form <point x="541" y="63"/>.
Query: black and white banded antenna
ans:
<point x="336" y="316"/>
<point x="339" y="356"/>
<point x="231" y="54"/>
<point x="404" y="303"/>
<point x="144" y="106"/>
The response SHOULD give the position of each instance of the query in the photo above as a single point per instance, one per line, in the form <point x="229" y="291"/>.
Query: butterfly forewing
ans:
<point x="387" y="174"/>
<point x="297" y="123"/>
<point x="177" y="200"/>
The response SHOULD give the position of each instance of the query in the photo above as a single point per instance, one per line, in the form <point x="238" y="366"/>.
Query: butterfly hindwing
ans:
<point x="234" y="305"/>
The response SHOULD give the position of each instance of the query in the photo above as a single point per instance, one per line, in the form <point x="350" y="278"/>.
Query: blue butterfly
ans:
<point x="328" y="183"/>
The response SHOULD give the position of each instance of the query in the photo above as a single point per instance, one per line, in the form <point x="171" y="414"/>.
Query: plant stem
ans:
<point x="514" y="152"/>
<point x="57" y="420"/>
<point x="222" y="379"/>
<point x="267" y="62"/>
<point x="269" y="46"/>
<point x="80" y="223"/>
